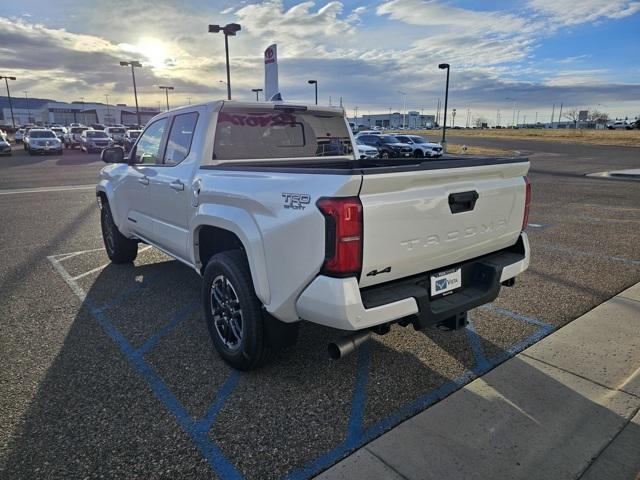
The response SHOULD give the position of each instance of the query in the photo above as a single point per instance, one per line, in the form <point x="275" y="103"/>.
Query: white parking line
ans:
<point x="97" y="269"/>
<point x="63" y="188"/>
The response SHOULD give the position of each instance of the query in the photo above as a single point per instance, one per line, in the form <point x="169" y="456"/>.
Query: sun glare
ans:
<point x="154" y="51"/>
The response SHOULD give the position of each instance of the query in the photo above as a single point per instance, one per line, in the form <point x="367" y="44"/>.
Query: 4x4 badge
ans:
<point x="373" y="273"/>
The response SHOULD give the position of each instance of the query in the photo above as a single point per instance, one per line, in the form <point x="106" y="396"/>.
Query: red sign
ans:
<point x="268" y="55"/>
<point x="257" y="120"/>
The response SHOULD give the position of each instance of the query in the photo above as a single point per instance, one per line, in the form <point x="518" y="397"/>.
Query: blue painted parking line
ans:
<point x="211" y="415"/>
<point x="194" y="429"/>
<point x="356" y="438"/>
<point x="182" y="314"/>
<point x="476" y="346"/>
<point x="356" y="435"/>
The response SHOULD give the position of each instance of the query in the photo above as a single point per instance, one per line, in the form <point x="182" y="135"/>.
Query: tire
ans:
<point x="228" y="273"/>
<point x="384" y="154"/>
<point x="418" y="154"/>
<point x="120" y="249"/>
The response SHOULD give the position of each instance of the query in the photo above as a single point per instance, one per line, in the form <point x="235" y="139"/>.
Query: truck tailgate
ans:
<point x="425" y="219"/>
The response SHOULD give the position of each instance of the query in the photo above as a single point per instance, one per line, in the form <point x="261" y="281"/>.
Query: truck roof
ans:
<point x="217" y="105"/>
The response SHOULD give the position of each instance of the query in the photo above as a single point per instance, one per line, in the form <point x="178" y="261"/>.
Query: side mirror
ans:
<point x="112" y="155"/>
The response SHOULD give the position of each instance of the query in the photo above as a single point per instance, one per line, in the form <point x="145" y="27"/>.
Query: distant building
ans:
<point x="47" y="112"/>
<point x="412" y="119"/>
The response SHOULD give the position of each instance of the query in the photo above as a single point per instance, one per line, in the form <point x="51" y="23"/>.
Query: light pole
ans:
<point x="445" y="66"/>
<point x="26" y="97"/>
<point x="513" y="120"/>
<point x="166" y="92"/>
<point x="315" y="84"/>
<point x="106" y="97"/>
<point x="6" y="81"/>
<point x="404" y="108"/>
<point x="257" y="92"/>
<point x="133" y="64"/>
<point x="229" y="30"/>
<point x="189" y="100"/>
<point x="453" y="119"/>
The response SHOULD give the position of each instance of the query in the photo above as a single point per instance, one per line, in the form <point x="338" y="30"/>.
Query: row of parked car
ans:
<point x="376" y="144"/>
<point x="90" y="139"/>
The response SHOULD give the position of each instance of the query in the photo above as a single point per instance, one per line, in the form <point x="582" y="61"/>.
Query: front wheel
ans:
<point x="384" y="155"/>
<point x="120" y="249"/>
<point x="233" y="312"/>
<point x="418" y="154"/>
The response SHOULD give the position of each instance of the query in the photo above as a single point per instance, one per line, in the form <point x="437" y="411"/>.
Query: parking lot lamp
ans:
<point x="257" y="92"/>
<point x="315" y="84"/>
<point x="26" y="97"/>
<point x="229" y="30"/>
<point x="445" y="66"/>
<point x="133" y="64"/>
<point x="166" y="92"/>
<point x="6" y="82"/>
<point x="404" y="108"/>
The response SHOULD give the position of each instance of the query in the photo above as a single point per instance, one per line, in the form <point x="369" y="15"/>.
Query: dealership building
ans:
<point x="47" y="112"/>
<point x="412" y="119"/>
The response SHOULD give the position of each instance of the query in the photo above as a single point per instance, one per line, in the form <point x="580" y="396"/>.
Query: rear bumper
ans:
<point x="339" y="302"/>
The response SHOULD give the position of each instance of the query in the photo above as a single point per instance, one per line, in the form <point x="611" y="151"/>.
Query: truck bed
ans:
<point x="364" y="167"/>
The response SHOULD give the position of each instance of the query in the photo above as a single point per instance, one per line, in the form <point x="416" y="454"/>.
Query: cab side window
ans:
<point x="180" y="137"/>
<point x="148" y="147"/>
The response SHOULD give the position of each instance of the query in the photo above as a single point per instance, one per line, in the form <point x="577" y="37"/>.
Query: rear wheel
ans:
<point x="120" y="249"/>
<point x="384" y="154"/>
<point x="233" y="312"/>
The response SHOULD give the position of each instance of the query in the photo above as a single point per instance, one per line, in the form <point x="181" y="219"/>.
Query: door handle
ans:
<point x="143" y="180"/>
<point x="177" y="185"/>
<point x="463" y="201"/>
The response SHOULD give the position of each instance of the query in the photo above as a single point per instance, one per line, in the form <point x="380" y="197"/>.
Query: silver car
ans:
<point x="42" y="140"/>
<point x="116" y="134"/>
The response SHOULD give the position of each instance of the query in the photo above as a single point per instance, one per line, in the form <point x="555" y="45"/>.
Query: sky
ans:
<point x="506" y="56"/>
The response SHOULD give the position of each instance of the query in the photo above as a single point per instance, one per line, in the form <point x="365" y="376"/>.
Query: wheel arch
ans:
<point x="215" y="234"/>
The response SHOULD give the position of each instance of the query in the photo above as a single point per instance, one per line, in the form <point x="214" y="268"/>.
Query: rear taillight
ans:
<point x="527" y="202"/>
<point x="343" y="238"/>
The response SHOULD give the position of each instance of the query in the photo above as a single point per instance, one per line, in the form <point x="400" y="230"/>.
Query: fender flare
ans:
<point x="243" y="225"/>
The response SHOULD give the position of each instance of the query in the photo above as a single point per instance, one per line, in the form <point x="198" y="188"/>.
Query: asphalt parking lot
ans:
<point x="108" y="369"/>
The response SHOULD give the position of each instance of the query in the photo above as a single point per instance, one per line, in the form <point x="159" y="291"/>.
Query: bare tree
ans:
<point x="480" y="121"/>
<point x="598" y="117"/>
<point x="573" y="115"/>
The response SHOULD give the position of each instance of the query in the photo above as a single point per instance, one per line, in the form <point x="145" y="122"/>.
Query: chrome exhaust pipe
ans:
<point x="346" y="345"/>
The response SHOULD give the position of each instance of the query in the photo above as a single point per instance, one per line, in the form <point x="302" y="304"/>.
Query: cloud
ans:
<point x="303" y="29"/>
<point x="430" y="13"/>
<point x="571" y="12"/>
<point x="363" y="53"/>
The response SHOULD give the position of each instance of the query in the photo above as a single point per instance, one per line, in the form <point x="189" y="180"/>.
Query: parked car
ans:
<point x="281" y="235"/>
<point x="97" y="126"/>
<point x="130" y="138"/>
<point x="73" y="137"/>
<point x="5" y="146"/>
<point x="421" y="147"/>
<point x="388" y="146"/>
<point x="620" y="125"/>
<point x="369" y="132"/>
<point x="42" y="140"/>
<point x="60" y="132"/>
<point x="364" y="150"/>
<point x="94" y="141"/>
<point x="116" y="134"/>
<point x="19" y="135"/>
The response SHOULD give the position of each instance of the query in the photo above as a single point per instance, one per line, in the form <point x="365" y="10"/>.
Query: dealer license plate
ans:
<point x="445" y="282"/>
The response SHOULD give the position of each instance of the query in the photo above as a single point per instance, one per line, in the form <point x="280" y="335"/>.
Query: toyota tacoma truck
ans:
<point x="269" y="204"/>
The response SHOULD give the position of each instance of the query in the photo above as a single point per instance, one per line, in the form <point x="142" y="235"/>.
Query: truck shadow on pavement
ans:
<point x="137" y="390"/>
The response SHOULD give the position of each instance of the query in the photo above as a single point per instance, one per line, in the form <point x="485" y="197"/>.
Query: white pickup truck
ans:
<point x="269" y="204"/>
